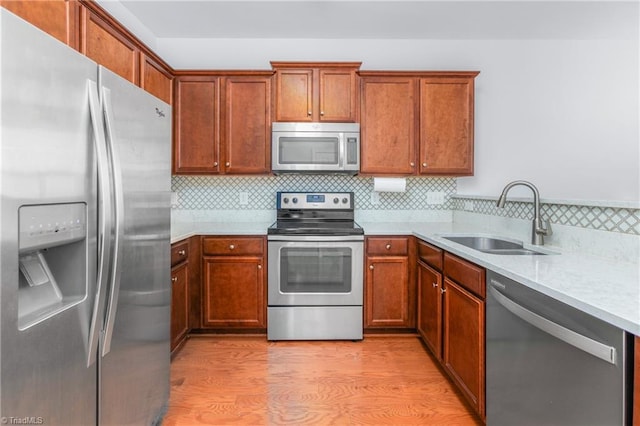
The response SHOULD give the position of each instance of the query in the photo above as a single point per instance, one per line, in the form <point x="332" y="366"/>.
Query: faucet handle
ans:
<point x="544" y="228"/>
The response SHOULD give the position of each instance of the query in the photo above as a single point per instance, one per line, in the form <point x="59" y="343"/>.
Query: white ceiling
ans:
<point x="384" y="19"/>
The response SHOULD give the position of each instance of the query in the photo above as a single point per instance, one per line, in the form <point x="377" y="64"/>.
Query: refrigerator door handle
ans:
<point x="118" y="191"/>
<point x="104" y="220"/>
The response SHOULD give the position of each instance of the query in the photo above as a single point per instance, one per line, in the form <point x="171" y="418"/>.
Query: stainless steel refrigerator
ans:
<point x="84" y="242"/>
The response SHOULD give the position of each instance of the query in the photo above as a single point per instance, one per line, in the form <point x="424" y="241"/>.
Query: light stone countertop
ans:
<point x="602" y="287"/>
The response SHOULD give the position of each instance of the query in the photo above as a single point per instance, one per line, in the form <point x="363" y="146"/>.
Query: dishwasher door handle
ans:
<point x="584" y="343"/>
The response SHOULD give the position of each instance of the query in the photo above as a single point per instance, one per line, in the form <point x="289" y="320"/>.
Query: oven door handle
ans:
<point x="312" y="238"/>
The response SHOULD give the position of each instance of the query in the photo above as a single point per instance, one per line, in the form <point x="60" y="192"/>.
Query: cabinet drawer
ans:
<point x="387" y="246"/>
<point x="233" y="246"/>
<point x="430" y="255"/>
<point x="179" y="252"/>
<point x="468" y="275"/>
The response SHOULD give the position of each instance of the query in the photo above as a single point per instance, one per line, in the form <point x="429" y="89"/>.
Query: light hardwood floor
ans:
<point x="220" y="380"/>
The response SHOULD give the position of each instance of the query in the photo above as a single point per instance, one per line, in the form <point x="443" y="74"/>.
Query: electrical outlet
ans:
<point x="375" y="197"/>
<point x="435" y="198"/>
<point x="468" y="205"/>
<point x="243" y="198"/>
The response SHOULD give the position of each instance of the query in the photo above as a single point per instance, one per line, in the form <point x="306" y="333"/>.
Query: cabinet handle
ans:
<point x="215" y="164"/>
<point x="412" y="164"/>
<point x="443" y="290"/>
<point x="181" y="252"/>
<point x="371" y="267"/>
<point x="424" y="164"/>
<point x="388" y="246"/>
<point x="227" y="164"/>
<point x="259" y="266"/>
<point x="174" y="279"/>
<point x="434" y="285"/>
<point x="321" y="112"/>
<point x="309" y="113"/>
<point x="231" y="246"/>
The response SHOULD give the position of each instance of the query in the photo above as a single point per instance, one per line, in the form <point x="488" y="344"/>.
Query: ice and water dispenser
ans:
<point x="52" y="260"/>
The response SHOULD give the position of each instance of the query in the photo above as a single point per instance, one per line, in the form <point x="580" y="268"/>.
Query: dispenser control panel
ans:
<point x="50" y="225"/>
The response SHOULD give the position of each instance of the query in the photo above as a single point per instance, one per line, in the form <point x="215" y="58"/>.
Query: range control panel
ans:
<point x="315" y="200"/>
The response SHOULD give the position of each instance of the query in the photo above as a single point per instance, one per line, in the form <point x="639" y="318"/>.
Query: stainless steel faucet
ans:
<point x="540" y="227"/>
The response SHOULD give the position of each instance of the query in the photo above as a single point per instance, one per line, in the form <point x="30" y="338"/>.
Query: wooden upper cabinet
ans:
<point x="196" y="125"/>
<point x="316" y="92"/>
<point x="58" y="18"/>
<point x="223" y="123"/>
<point x="155" y="79"/>
<point x="108" y="46"/>
<point x="387" y="125"/>
<point x="247" y="124"/>
<point x="417" y="122"/>
<point x="446" y="126"/>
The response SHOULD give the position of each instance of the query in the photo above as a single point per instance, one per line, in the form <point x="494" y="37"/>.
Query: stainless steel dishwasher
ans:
<point x="551" y="364"/>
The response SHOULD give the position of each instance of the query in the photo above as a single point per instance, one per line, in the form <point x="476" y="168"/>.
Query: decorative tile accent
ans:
<point x="614" y="219"/>
<point x="223" y="192"/>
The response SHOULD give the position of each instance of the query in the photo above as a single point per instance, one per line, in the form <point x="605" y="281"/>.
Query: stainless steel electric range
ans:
<point x="315" y="277"/>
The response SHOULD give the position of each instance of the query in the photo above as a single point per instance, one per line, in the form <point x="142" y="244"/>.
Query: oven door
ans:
<point x="315" y="273"/>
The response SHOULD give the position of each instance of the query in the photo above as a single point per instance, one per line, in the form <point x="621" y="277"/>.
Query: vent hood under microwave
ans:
<point x="315" y="148"/>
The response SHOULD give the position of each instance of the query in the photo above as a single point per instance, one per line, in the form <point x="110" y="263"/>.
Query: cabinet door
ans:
<point x="387" y="292"/>
<point x="430" y="308"/>
<point x="109" y="47"/>
<point x="463" y="355"/>
<point x="294" y="95"/>
<point x="234" y="292"/>
<point x="446" y="126"/>
<point x="155" y="79"/>
<point x="338" y="95"/>
<point x="57" y="18"/>
<point x="179" y="304"/>
<point x="387" y="126"/>
<point x="247" y="125"/>
<point x="197" y="133"/>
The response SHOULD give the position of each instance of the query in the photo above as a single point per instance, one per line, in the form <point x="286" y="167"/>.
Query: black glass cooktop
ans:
<point x="315" y="228"/>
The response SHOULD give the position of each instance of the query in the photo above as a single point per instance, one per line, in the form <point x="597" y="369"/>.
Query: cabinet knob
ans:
<point x="174" y="279"/>
<point x="371" y="267"/>
<point x="227" y="164"/>
<point x="424" y="164"/>
<point x="309" y="113"/>
<point x="215" y="164"/>
<point x="443" y="290"/>
<point x="259" y="266"/>
<point x="388" y="246"/>
<point x="434" y="285"/>
<point x="321" y="112"/>
<point x="231" y="246"/>
<point x="181" y="252"/>
<point x="412" y="164"/>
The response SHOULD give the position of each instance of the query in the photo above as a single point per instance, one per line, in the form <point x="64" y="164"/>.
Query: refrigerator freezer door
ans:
<point x="134" y="372"/>
<point x="48" y="205"/>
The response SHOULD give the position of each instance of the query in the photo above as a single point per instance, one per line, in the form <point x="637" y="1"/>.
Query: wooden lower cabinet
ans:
<point x="234" y="293"/>
<point x="179" y="293"/>
<point x="429" y="318"/>
<point x="463" y="342"/>
<point x="451" y="318"/>
<point x="389" y="292"/>
<point x="179" y="304"/>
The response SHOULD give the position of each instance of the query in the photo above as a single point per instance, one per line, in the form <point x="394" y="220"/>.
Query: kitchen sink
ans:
<point x="493" y="245"/>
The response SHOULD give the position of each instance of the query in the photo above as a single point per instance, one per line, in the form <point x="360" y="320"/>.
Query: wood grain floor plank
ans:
<point x="224" y="380"/>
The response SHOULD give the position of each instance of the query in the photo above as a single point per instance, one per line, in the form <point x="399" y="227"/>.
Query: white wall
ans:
<point x="563" y="114"/>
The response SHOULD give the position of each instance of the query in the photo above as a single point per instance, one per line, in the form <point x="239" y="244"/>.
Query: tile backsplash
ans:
<point x="225" y="192"/>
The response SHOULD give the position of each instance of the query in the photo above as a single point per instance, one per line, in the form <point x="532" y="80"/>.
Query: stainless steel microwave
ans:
<point x="315" y="148"/>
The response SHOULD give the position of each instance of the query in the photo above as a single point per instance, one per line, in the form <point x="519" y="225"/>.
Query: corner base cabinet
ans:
<point x="234" y="293"/>
<point x="451" y="318"/>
